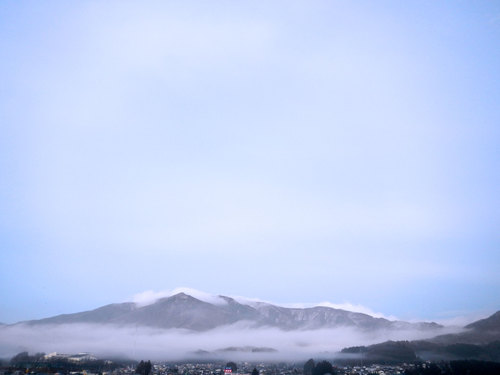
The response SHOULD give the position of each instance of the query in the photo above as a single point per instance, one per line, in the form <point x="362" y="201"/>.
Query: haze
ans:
<point x="140" y="342"/>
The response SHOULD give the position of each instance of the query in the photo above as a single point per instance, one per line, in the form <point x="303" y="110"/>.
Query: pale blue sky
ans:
<point x="294" y="151"/>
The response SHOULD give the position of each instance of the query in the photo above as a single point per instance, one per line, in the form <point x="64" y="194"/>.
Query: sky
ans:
<point x="290" y="151"/>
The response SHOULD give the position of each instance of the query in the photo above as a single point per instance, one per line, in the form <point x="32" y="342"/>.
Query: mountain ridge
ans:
<point x="183" y="311"/>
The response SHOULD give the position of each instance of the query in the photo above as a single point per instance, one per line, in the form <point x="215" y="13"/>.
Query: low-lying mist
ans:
<point x="229" y="342"/>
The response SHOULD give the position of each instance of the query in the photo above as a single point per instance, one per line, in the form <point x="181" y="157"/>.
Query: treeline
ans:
<point x="461" y="367"/>
<point x="466" y="367"/>
<point x="394" y="352"/>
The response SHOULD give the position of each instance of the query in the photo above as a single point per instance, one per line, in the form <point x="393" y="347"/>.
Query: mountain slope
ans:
<point x="480" y="332"/>
<point x="481" y="341"/>
<point x="106" y="314"/>
<point x="492" y="323"/>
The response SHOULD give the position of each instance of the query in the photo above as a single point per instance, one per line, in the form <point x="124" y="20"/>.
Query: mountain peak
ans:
<point x="181" y="295"/>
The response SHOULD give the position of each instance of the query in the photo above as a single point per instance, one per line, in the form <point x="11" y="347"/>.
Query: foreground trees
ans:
<point x="309" y="367"/>
<point x="320" y="368"/>
<point x="143" y="368"/>
<point x="233" y="366"/>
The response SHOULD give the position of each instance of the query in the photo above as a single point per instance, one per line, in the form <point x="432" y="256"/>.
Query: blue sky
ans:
<point x="291" y="151"/>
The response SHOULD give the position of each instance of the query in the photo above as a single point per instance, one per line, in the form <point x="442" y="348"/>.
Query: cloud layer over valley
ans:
<point x="173" y="344"/>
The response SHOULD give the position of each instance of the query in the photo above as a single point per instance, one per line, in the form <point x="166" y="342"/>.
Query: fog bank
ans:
<point x="176" y="344"/>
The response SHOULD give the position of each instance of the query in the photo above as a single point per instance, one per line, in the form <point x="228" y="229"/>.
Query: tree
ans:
<point x="323" y="367"/>
<point x="233" y="366"/>
<point x="143" y="368"/>
<point x="24" y="359"/>
<point x="309" y="367"/>
<point x="20" y="358"/>
<point x="255" y="371"/>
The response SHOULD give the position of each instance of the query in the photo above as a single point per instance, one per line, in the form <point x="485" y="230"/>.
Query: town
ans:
<point x="88" y="364"/>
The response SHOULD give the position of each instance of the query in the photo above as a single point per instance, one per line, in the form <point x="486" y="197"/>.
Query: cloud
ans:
<point x="460" y="318"/>
<point x="251" y="301"/>
<point x="175" y="344"/>
<point x="357" y="308"/>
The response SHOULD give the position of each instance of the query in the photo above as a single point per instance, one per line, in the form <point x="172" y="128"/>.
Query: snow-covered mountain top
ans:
<point x="187" y="308"/>
<point x="149" y="297"/>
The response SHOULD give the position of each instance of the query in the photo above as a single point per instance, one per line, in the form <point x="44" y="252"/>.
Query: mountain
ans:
<point x="183" y="311"/>
<point x="386" y="352"/>
<point x="481" y="332"/>
<point x="491" y="323"/>
<point x="409" y="351"/>
<point x="480" y="341"/>
<point x="185" y="325"/>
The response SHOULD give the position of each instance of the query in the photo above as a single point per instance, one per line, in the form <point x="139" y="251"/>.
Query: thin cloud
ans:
<point x="357" y="308"/>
